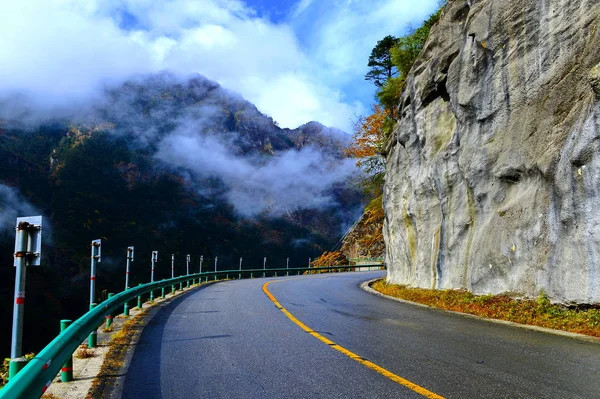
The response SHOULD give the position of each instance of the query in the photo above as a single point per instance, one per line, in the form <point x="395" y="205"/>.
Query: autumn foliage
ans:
<point x="537" y="312"/>
<point x="368" y="138"/>
<point x="334" y="258"/>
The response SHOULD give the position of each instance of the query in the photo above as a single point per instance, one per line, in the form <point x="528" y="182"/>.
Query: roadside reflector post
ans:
<point x="216" y="260"/>
<point x="96" y="257"/>
<point x="172" y="272"/>
<point x="66" y="372"/>
<point x="187" y="269"/>
<point x="109" y="317"/>
<point x="28" y="249"/>
<point x="129" y="259"/>
<point x="264" y="266"/>
<point x="287" y="266"/>
<point x="154" y="260"/>
<point x="240" y="273"/>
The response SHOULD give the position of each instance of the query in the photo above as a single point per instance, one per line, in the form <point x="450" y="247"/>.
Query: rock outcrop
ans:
<point x="493" y="170"/>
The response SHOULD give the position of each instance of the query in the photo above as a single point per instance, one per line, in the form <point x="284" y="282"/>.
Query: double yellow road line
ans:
<point x="386" y="373"/>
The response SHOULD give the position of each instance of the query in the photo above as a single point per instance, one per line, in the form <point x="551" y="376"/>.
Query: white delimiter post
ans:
<point x="154" y="260"/>
<point x="129" y="260"/>
<point x="95" y="258"/>
<point x="27" y="253"/>
<point x="216" y="260"/>
<point x="187" y="269"/>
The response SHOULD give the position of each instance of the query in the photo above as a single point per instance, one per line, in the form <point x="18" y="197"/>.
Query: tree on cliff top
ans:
<point x="380" y="61"/>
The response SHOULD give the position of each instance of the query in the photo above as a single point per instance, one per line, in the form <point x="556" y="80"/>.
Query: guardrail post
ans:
<point x="16" y="365"/>
<point x="126" y="307"/>
<point x="162" y="293"/>
<point x="139" y="300"/>
<point x="66" y="372"/>
<point x="109" y="317"/>
<point x="93" y="335"/>
<point x="181" y="286"/>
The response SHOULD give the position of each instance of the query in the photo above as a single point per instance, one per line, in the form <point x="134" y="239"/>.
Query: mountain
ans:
<point x="492" y="170"/>
<point x="181" y="166"/>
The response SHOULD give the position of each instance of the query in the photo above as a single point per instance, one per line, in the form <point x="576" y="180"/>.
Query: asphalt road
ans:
<point x="229" y="340"/>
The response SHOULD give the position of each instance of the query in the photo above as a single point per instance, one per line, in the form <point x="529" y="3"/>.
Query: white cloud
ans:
<point x="61" y="51"/>
<point x="342" y="33"/>
<point x="286" y="182"/>
<point x="13" y="205"/>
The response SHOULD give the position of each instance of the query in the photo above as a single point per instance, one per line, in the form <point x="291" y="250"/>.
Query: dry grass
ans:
<point x="113" y="362"/>
<point x="537" y="312"/>
<point x="84" y="352"/>
<point x="5" y="366"/>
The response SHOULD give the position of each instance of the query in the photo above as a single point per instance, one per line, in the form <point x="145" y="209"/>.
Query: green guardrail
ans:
<point x="33" y="380"/>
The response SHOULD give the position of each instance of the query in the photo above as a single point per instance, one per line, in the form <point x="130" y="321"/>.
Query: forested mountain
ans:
<point x="161" y="163"/>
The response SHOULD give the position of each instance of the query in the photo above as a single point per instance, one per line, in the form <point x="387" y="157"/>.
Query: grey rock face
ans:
<point x="493" y="171"/>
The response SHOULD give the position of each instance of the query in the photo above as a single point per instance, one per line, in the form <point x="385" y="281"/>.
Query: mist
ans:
<point x="259" y="184"/>
<point x="12" y="206"/>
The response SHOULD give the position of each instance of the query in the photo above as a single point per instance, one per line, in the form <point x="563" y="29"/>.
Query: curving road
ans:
<point x="229" y="340"/>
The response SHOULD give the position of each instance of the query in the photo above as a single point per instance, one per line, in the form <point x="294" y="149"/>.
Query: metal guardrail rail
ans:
<point x="33" y="380"/>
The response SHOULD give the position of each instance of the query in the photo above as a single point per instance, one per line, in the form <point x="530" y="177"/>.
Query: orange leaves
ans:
<point x="330" y="259"/>
<point x="368" y="135"/>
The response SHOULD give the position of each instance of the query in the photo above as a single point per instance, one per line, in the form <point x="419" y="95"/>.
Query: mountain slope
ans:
<point x="178" y="166"/>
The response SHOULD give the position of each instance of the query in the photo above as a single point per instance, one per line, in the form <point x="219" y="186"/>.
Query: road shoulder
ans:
<point x="366" y="286"/>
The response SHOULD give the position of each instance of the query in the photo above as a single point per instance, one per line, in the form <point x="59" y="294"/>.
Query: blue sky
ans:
<point x="297" y="60"/>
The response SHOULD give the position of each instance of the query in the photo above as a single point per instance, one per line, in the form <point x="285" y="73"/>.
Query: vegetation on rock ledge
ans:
<point x="536" y="312"/>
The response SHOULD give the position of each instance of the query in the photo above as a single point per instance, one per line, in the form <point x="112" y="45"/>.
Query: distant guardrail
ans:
<point x="33" y="380"/>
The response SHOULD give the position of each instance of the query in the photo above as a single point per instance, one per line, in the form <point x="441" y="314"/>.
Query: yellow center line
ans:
<point x="386" y="373"/>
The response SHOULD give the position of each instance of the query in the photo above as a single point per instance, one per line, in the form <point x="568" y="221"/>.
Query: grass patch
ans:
<point x="84" y="352"/>
<point x="536" y="312"/>
<point x="5" y="366"/>
<point x="113" y="362"/>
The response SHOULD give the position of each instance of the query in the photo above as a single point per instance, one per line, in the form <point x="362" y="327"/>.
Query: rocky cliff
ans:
<point x="493" y="170"/>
